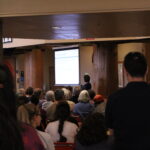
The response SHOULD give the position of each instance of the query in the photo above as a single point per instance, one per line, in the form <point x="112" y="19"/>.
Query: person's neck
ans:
<point x="135" y="79"/>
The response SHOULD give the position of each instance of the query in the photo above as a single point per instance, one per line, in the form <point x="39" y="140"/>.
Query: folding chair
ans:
<point x="64" y="146"/>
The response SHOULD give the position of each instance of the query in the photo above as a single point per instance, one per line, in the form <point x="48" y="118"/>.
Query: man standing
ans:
<point x="128" y="110"/>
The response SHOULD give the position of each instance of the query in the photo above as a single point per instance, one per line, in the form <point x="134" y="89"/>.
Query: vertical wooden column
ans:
<point x="1" y="44"/>
<point x="105" y="69"/>
<point x="34" y="69"/>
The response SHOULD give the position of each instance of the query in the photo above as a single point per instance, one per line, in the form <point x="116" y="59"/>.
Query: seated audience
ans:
<point x="100" y="104"/>
<point x="29" y="92"/>
<point x="14" y="135"/>
<point x="67" y="97"/>
<point x="75" y="95"/>
<point x="93" y="134"/>
<point x="92" y="95"/>
<point x="49" y="100"/>
<point x="59" y="96"/>
<point x="63" y="128"/>
<point x="83" y="107"/>
<point x="32" y="117"/>
<point x="21" y="100"/>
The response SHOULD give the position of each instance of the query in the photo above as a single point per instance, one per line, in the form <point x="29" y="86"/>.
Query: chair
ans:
<point x="64" y="146"/>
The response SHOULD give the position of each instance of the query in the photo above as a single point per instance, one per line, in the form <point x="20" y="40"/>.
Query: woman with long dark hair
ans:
<point x="63" y="128"/>
<point x="10" y="135"/>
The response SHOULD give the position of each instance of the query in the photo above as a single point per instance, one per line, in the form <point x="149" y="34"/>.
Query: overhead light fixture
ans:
<point x="56" y="28"/>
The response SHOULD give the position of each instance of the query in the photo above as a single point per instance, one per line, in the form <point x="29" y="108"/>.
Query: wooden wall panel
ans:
<point x="105" y="69"/>
<point x="34" y="69"/>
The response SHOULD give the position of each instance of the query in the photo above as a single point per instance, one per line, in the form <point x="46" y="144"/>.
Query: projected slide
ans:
<point x="67" y="66"/>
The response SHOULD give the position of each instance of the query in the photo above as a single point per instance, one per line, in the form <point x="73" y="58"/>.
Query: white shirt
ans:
<point x="46" y="140"/>
<point x="69" y="131"/>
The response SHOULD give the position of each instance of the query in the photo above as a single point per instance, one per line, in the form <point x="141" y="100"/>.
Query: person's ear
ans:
<point x="125" y="72"/>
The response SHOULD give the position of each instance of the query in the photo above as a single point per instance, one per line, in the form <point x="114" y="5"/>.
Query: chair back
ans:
<point x="64" y="146"/>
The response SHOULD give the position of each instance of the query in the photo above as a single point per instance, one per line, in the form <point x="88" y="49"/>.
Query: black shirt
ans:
<point x="87" y="86"/>
<point x="128" y="113"/>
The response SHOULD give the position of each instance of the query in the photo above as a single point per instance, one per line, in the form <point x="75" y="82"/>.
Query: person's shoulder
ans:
<point x="44" y="134"/>
<point x="116" y="94"/>
<point x="71" y="124"/>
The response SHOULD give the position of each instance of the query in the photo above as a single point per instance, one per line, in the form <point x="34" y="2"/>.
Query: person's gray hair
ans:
<point x="50" y="95"/>
<point x="84" y="96"/>
<point x="67" y="94"/>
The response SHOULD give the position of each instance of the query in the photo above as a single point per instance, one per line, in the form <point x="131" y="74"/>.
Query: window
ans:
<point x="67" y="66"/>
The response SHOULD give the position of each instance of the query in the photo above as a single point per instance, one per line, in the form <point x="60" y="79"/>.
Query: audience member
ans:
<point x="100" y="104"/>
<point x="93" y="134"/>
<point x="59" y="96"/>
<point x="63" y="128"/>
<point x="83" y="107"/>
<point x="10" y="134"/>
<point x="21" y="100"/>
<point x="32" y="117"/>
<point x="50" y="97"/>
<point x="92" y="95"/>
<point x="87" y="85"/>
<point x="67" y="97"/>
<point x="76" y="92"/>
<point x="29" y="92"/>
<point x="127" y="110"/>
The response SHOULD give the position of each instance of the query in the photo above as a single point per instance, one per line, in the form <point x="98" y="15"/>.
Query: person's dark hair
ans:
<point x="59" y="94"/>
<point x="10" y="138"/>
<point x="38" y="92"/>
<point x="21" y="100"/>
<point x="34" y="99"/>
<point x="70" y="88"/>
<point x="91" y="93"/>
<point x="29" y="91"/>
<point x="135" y="64"/>
<point x="86" y="78"/>
<point x="93" y="130"/>
<point x="62" y="113"/>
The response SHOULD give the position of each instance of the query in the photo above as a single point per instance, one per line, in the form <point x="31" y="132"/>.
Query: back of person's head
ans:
<point x="91" y="93"/>
<point x="135" y="64"/>
<point x="34" y="99"/>
<point x="62" y="113"/>
<point x="70" y="88"/>
<point x="21" y="100"/>
<point x="93" y="130"/>
<point x="32" y="110"/>
<point x="38" y="92"/>
<point x="29" y="91"/>
<point x="67" y="94"/>
<point x="76" y="91"/>
<point x="59" y="95"/>
<point x="98" y="99"/>
<point x="10" y="137"/>
<point x="50" y="95"/>
<point x="86" y="78"/>
<point x="84" y="96"/>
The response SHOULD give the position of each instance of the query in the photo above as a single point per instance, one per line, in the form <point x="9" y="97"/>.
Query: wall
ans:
<point x="85" y="60"/>
<point x="125" y="48"/>
<point x="122" y="50"/>
<point x="20" y="63"/>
